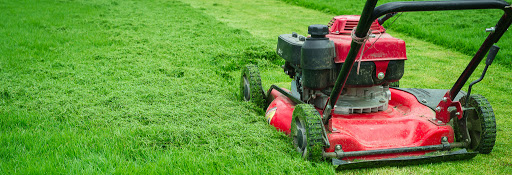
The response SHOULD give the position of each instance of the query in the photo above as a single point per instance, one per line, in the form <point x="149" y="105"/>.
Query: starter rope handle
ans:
<point x="361" y="41"/>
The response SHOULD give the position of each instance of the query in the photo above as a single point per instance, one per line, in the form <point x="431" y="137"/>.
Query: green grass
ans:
<point x="131" y="87"/>
<point x="460" y="31"/>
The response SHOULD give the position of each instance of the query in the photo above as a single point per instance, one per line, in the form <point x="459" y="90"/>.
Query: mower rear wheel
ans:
<point x="307" y="132"/>
<point x="481" y="124"/>
<point x="250" y="86"/>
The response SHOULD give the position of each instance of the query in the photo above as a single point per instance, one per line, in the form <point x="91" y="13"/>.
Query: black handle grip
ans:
<point x="386" y="17"/>
<point x="492" y="54"/>
<point x="410" y="6"/>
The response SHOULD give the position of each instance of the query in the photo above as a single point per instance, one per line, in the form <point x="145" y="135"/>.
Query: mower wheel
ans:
<point x="250" y="86"/>
<point x="307" y="132"/>
<point x="481" y="124"/>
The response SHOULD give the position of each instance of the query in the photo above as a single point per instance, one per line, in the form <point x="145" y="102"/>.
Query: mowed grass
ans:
<point x="130" y="87"/>
<point x="428" y="66"/>
<point x="152" y="87"/>
<point x="460" y="31"/>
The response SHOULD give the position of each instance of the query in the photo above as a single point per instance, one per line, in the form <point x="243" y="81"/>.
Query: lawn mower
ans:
<point x="345" y="104"/>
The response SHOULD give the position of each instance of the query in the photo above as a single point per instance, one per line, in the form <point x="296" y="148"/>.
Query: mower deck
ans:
<point x="406" y="123"/>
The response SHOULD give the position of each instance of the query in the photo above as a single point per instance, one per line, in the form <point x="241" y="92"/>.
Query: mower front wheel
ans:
<point x="307" y="132"/>
<point x="250" y="86"/>
<point x="481" y="123"/>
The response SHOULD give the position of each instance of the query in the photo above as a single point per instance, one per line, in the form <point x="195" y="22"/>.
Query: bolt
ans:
<point x="434" y="118"/>
<point x="457" y="113"/>
<point x="445" y="99"/>
<point x="338" y="147"/>
<point x="439" y="122"/>
<point x="380" y="75"/>
<point x="382" y="100"/>
<point x="491" y="30"/>
<point x="424" y="101"/>
<point x="444" y="139"/>
<point x="334" y="129"/>
<point x="438" y="109"/>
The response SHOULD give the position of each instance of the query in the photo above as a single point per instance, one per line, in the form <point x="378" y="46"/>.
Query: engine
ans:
<point x="314" y="63"/>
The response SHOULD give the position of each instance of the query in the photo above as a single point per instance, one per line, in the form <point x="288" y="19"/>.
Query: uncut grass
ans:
<point x="428" y="66"/>
<point x="460" y="31"/>
<point x="131" y="87"/>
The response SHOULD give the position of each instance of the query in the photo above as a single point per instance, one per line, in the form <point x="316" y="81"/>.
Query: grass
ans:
<point x="460" y="31"/>
<point x="131" y="87"/>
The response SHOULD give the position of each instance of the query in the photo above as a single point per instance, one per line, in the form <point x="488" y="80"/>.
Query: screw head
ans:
<point x="380" y="75"/>
<point x="444" y="139"/>
<point x="338" y="147"/>
<point x="438" y="109"/>
<point x="439" y="122"/>
<point x="424" y="101"/>
<point x="445" y="99"/>
<point x="457" y="113"/>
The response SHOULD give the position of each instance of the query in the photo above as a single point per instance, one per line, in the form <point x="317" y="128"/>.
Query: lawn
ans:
<point x="137" y="87"/>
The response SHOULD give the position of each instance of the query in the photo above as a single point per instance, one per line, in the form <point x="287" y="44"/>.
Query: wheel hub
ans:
<point x="475" y="130"/>
<point x="247" y="89"/>
<point x="300" y="137"/>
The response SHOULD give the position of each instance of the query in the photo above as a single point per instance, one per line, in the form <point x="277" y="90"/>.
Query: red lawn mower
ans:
<point x="345" y="103"/>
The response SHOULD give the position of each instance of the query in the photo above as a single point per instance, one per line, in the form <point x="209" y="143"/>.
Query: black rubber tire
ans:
<point x="250" y="86"/>
<point x="307" y="132"/>
<point x="481" y="124"/>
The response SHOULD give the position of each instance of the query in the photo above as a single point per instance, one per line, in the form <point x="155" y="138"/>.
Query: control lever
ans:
<point x="490" y="58"/>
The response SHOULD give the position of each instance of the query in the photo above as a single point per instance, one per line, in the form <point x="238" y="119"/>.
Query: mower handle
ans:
<point x="385" y="18"/>
<point x="411" y="6"/>
<point x="371" y="13"/>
